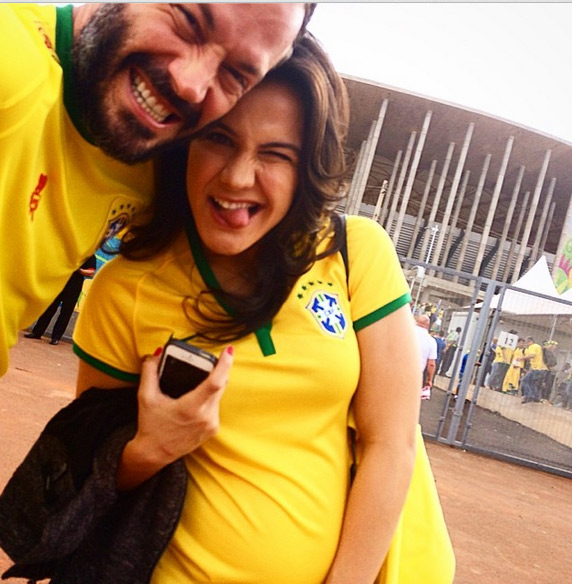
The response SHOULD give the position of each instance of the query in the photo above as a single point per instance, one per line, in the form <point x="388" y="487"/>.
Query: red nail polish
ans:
<point x="230" y="350"/>
<point x="158" y="351"/>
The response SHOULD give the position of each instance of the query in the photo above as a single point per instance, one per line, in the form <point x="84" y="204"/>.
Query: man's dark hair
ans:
<point x="309" y="8"/>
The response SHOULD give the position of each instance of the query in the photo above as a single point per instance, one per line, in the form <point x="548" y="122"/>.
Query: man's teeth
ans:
<point x="148" y="101"/>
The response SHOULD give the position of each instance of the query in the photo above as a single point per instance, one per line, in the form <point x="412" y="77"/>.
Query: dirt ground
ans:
<point x="509" y="524"/>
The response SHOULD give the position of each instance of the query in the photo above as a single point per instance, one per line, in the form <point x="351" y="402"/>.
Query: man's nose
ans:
<point x="239" y="172"/>
<point x="195" y="73"/>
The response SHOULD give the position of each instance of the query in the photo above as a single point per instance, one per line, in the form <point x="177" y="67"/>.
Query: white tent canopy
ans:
<point x="567" y="295"/>
<point x="539" y="280"/>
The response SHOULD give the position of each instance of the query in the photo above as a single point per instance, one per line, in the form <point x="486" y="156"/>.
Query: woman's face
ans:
<point x="243" y="172"/>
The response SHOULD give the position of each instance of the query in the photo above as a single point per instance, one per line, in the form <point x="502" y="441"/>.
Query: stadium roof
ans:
<point x="449" y="123"/>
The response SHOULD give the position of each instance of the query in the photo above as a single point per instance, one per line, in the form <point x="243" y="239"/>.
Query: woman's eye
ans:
<point x="218" y="138"/>
<point x="279" y="156"/>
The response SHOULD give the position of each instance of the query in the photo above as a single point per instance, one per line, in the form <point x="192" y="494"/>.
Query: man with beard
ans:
<point x="88" y="95"/>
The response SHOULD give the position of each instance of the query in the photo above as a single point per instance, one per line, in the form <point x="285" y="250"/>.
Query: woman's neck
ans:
<point x="235" y="274"/>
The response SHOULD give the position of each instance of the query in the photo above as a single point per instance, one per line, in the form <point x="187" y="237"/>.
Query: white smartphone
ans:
<point x="183" y="367"/>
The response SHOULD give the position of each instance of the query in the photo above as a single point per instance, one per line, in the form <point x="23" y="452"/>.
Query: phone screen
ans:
<point x="179" y="377"/>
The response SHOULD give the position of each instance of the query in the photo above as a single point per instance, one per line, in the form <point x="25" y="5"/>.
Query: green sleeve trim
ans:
<point x="378" y="314"/>
<point x="104" y="367"/>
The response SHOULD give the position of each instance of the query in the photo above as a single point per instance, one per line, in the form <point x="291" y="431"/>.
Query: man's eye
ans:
<point x="191" y="21"/>
<point x="240" y="78"/>
<point x="233" y="81"/>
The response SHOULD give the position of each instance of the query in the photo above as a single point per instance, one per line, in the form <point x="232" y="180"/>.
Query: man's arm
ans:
<point x="430" y="371"/>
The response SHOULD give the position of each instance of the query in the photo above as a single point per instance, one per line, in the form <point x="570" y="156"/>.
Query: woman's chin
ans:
<point x="227" y="247"/>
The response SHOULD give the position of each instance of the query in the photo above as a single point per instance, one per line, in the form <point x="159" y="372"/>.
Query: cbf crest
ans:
<point x="121" y="214"/>
<point x="326" y="309"/>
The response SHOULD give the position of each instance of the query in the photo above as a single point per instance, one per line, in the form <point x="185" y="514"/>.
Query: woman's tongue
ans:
<point x="235" y="217"/>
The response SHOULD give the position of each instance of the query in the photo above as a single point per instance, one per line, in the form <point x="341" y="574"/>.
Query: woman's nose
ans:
<point x="239" y="172"/>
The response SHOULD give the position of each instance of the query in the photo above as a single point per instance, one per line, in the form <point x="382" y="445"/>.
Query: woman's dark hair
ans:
<point x="290" y="249"/>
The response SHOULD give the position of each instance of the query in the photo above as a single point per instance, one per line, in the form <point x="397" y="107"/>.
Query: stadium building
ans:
<point x="459" y="188"/>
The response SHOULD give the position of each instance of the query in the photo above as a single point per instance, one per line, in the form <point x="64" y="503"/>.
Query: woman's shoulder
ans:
<point x="121" y="269"/>
<point x="363" y="231"/>
<point x="357" y="223"/>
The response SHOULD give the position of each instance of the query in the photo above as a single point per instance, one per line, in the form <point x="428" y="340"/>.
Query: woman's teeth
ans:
<point x="232" y="206"/>
<point x="251" y="208"/>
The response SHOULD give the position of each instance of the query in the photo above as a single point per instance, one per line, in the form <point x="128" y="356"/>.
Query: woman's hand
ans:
<point x="168" y="428"/>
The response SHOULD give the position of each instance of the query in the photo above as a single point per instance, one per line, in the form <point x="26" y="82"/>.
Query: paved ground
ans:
<point x="509" y="524"/>
<point x="522" y="431"/>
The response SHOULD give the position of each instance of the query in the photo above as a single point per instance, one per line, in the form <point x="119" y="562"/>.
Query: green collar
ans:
<point x="200" y="258"/>
<point x="64" y="43"/>
<point x="263" y="333"/>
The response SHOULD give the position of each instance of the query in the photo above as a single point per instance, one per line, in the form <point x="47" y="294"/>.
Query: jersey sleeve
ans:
<point x="377" y="285"/>
<point x="27" y="55"/>
<point x="104" y="336"/>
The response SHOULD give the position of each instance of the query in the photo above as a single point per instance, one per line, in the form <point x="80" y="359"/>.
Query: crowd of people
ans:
<point x="520" y="366"/>
<point x="527" y="370"/>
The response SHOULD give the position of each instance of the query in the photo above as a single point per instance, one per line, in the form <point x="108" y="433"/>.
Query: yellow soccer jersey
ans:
<point x="498" y="355"/>
<point x="503" y="354"/>
<point x="60" y="197"/>
<point x="266" y="495"/>
<point x="536" y="361"/>
<point x="517" y="357"/>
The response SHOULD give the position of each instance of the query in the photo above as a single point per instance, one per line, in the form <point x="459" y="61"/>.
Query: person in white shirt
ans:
<point x="428" y="347"/>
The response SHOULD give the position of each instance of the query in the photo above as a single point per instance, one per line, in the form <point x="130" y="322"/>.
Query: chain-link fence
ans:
<point x="503" y="385"/>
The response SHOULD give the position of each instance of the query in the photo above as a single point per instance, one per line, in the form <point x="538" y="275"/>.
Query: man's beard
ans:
<point x="96" y="59"/>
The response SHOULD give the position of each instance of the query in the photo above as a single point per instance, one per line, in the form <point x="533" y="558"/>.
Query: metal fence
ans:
<point x="473" y="404"/>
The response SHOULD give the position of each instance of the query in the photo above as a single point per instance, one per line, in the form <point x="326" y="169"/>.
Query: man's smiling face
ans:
<point x="149" y="75"/>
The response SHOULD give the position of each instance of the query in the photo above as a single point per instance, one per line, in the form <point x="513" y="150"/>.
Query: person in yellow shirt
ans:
<point x="501" y="363"/>
<point x="246" y="249"/>
<point x="511" y="382"/>
<point x="531" y="382"/>
<point x="88" y="94"/>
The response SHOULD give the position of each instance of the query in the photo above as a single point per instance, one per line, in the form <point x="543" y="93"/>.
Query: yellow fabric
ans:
<point x="421" y="551"/>
<point x="536" y="362"/>
<point x="503" y="354"/>
<point x="512" y="377"/>
<point x="267" y="494"/>
<point x="60" y="197"/>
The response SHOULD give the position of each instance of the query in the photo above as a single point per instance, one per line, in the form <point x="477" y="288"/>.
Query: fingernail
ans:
<point x="158" y="351"/>
<point x="230" y="350"/>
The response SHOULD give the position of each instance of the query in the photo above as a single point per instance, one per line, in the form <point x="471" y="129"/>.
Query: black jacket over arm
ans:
<point x="61" y="516"/>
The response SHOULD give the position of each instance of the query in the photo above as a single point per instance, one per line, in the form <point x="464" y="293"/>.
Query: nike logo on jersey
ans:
<point x="37" y="195"/>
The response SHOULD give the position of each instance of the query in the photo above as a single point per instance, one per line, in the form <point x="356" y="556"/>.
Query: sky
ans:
<point x="512" y="60"/>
